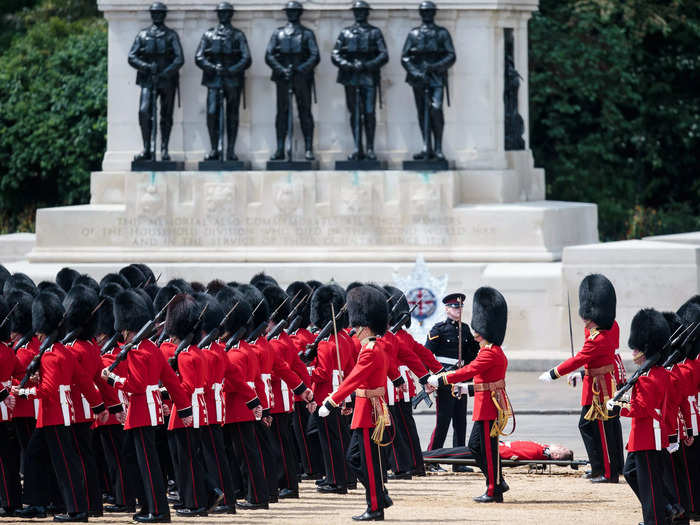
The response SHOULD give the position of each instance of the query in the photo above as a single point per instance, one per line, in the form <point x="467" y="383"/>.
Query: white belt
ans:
<point x="251" y="384"/>
<point x="404" y="373"/>
<point x="267" y="381"/>
<point x="336" y="384"/>
<point x="285" y="396"/>
<point x="693" y="402"/>
<point x="446" y="360"/>
<point x="4" y="412"/>
<point x="310" y="369"/>
<point x="153" y="393"/>
<point x="86" y="407"/>
<point x="218" y="401"/>
<point x="390" y="391"/>
<point x="36" y="408"/>
<point x="195" y="406"/>
<point x="657" y="431"/>
<point x="66" y="405"/>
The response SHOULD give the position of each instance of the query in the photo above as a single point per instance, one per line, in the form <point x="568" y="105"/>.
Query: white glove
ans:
<point x="323" y="411"/>
<point x="573" y="378"/>
<point x="433" y="381"/>
<point x="673" y="447"/>
<point x="610" y="405"/>
<point x="545" y="377"/>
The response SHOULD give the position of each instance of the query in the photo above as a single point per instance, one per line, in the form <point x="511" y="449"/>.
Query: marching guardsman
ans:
<point x="597" y="302"/>
<point x="443" y="341"/>
<point x="491" y="405"/>
<point x="368" y="314"/>
<point x="10" y="488"/>
<point x="646" y="406"/>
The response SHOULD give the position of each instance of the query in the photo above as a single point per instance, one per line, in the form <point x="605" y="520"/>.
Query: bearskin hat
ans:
<point x="352" y="285"/>
<point x="86" y="280"/>
<point x="321" y="301"/>
<point x="228" y="297"/>
<point x="314" y="284"/>
<point x="277" y="298"/>
<point x="400" y="309"/>
<point x="4" y="321"/>
<point x="130" y="311"/>
<point x="367" y="307"/>
<point x="21" y="318"/>
<point x="691" y="314"/>
<point x="105" y="317"/>
<point x="181" y="316"/>
<point x="115" y="278"/>
<point x="213" y="314"/>
<point x="649" y="332"/>
<point x="261" y="280"/>
<point x="65" y="278"/>
<point x="254" y="297"/>
<point x="163" y="296"/>
<point x="198" y="287"/>
<point x="693" y="300"/>
<point x="79" y="304"/>
<point x="48" y="286"/>
<point x="47" y="313"/>
<point x="490" y="314"/>
<point x="673" y="320"/>
<point x="147" y="272"/>
<point x="132" y="274"/>
<point x="19" y="281"/>
<point x="303" y="292"/>
<point x="215" y="285"/>
<point x="182" y="285"/>
<point x="4" y="275"/>
<point x="597" y="300"/>
<point x="152" y="290"/>
<point x="146" y="299"/>
<point x="111" y="290"/>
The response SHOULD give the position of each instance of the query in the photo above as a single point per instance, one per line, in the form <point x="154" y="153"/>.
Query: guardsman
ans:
<point x="597" y="309"/>
<point x="10" y="488"/>
<point x="223" y="56"/>
<point x="368" y="314"/>
<point x="443" y="342"/>
<point x="491" y="405"/>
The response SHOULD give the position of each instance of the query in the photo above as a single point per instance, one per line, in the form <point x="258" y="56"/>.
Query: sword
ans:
<point x="290" y="117"/>
<point x="456" y="391"/>
<point x="358" y="130"/>
<point x="220" y="143"/>
<point x="154" y="115"/>
<point x="426" y="122"/>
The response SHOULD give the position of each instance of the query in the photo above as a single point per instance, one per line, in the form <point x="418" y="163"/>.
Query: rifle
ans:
<point x="220" y="142"/>
<point x="261" y="327"/>
<point x="690" y="339"/>
<point x="404" y="319"/>
<point x="294" y="325"/>
<point x="673" y="342"/>
<point x="456" y="392"/>
<point x="73" y="334"/>
<point x="310" y="353"/>
<point x="238" y="335"/>
<point x="277" y="329"/>
<point x="23" y="341"/>
<point x="110" y="344"/>
<point x="422" y="396"/>
<point x="187" y="341"/>
<point x="7" y="317"/>
<point x="36" y="360"/>
<point x="214" y="334"/>
<point x="142" y="334"/>
<point x="337" y="346"/>
<point x="154" y="114"/>
<point x="290" y="117"/>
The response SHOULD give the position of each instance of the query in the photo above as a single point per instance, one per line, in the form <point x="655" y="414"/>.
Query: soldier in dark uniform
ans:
<point x="157" y="55"/>
<point x="359" y="53"/>
<point x="223" y="56"/>
<point x="427" y="55"/>
<point x="443" y="341"/>
<point x="292" y="53"/>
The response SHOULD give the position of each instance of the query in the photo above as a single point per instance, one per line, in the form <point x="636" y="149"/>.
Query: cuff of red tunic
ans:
<point x="424" y="379"/>
<point x="554" y="374"/>
<point x="185" y="412"/>
<point x="98" y="408"/>
<point x="300" y="389"/>
<point x="673" y="438"/>
<point x="116" y="409"/>
<point x="329" y="403"/>
<point x="398" y="381"/>
<point x="266" y="412"/>
<point x="255" y="402"/>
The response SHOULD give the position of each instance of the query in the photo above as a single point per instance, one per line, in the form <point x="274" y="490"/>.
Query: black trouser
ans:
<point x="217" y="463"/>
<point x="250" y="455"/>
<point x="449" y="409"/>
<point x="282" y="433"/>
<point x="102" y="468"/>
<point x="643" y="472"/>
<point x="485" y="451"/>
<point x="333" y="447"/>
<point x="436" y="117"/>
<point x="301" y="87"/>
<point x="24" y="428"/>
<point x="399" y="453"/>
<point x="82" y="440"/>
<point x="600" y="439"/>
<point x="232" y="96"/>
<point x="363" y="456"/>
<point x="167" y="105"/>
<point x="692" y="460"/>
<point x="10" y="488"/>
<point x="153" y="498"/>
<point x="308" y="444"/>
<point x="162" y="437"/>
<point x="272" y="457"/>
<point x="123" y="476"/>
<point x="366" y="97"/>
<point x="234" y="462"/>
<point x="189" y="470"/>
<point x="406" y="422"/>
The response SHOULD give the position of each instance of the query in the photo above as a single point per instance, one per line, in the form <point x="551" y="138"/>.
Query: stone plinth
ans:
<point x="474" y="131"/>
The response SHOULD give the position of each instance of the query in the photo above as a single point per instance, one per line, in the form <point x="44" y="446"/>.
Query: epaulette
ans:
<point x="432" y="338"/>
<point x="594" y="333"/>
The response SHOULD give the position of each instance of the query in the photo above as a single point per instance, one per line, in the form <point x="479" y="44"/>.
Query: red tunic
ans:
<point x="273" y="366"/>
<point x="121" y="370"/>
<point x="402" y="358"/>
<point x="243" y="386"/>
<point x="300" y="339"/>
<point x="26" y="407"/>
<point x="522" y="450"/>
<point x="326" y="374"/>
<point x="425" y="355"/>
<point x="598" y="352"/>
<point x="87" y="356"/>
<point x="193" y="378"/>
<point x="649" y="410"/>
<point x="216" y="365"/>
<point x="8" y="363"/>
<point x="282" y="392"/>
<point x="489" y="366"/>
<point x="369" y="373"/>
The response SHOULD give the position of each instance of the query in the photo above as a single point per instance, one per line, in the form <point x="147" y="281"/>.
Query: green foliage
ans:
<point x="616" y="110"/>
<point x="53" y="97"/>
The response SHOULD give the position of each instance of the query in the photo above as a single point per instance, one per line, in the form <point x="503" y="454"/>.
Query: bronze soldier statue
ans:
<point x="427" y="55"/>
<point x="223" y="56"/>
<point x="359" y="54"/>
<point x="157" y="56"/>
<point x="292" y="53"/>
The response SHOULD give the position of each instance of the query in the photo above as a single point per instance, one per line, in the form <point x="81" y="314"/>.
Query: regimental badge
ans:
<point x="427" y="303"/>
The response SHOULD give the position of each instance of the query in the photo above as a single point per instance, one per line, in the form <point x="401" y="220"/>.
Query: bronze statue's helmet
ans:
<point x="427" y="5"/>
<point x="360" y="4"/>
<point x="293" y="5"/>
<point x="224" y="6"/>
<point x="158" y="6"/>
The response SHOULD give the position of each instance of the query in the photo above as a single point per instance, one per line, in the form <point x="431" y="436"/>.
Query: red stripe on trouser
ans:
<point x="330" y="451"/>
<point x="651" y="484"/>
<point x="218" y="463"/>
<point x="260" y="452"/>
<point x="189" y="457"/>
<point x="82" y="465"/>
<point x="369" y="460"/>
<point x="342" y="444"/>
<point x="303" y="437"/>
<point x="150" y="475"/>
<point x="604" y="445"/>
<point x="247" y="462"/>
<point x="410" y="437"/>
<point x="690" y="483"/>
<point x="675" y="481"/>
<point x="4" y="483"/>
<point x="284" y="457"/>
<point x="489" y="457"/>
<point x="119" y="465"/>
<point x="65" y="462"/>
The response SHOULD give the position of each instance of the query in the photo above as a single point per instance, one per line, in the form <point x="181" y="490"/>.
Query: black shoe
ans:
<point x="421" y="155"/>
<point x="215" y="499"/>
<point x="231" y="155"/>
<point x="590" y="475"/>
<point x="370" y="515"/>
<point x="332" y="489"/>
<point x="108" y="498"/>
<point x="434" y="467"/>
<point x="485" y="498"/>
<point x="503" y="486"/>
<point x="274" y="498"/>
<point x="603" y="479"/>
<point x="246" y="505"/>
<point x="224" y="509"/>
<point x="289" y="494"/>
<point x="371" y="155"/>
<point x="71" y="517"/>
<point x="152" y="518"/>
<point x="144" y="155"/>
<point x="309" y="155"/>
<point x="7" y="512"/>
<point x="321" y="481"/>
<point x="31" y="512"/>
<point x="164" y="155"/>
<point x="419" y="473"/>
<point x="461" y="468"/>
<point x="178" y="505"/>
<point x="352" y="486"/>
<point x="95" y="513"/>
<point x="190" y="513"/>
<point x="212" y="155"/>
<point x="439" y="155"/>
<point x="400" y="475"/>
<point x="278" y="155"/>
<point x="173" y="498"/>
<point x="119" y="508"/>
<point x="142" y="512"/>
<point x="53" y="509"/>
<point x="388" y="502"/>
<point x="306" y="477"/>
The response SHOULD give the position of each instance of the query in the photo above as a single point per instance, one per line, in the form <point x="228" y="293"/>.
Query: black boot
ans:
<point x="166" y="128"/>
<point x="370" y="515"/>
<point x="232" y="132"/>
<point x="309" y="143"/>
<point x="213" y="128"/>
<point x="279" y="152"/>
<point x="370" y="127"/>
<point x="438" y="125"/>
